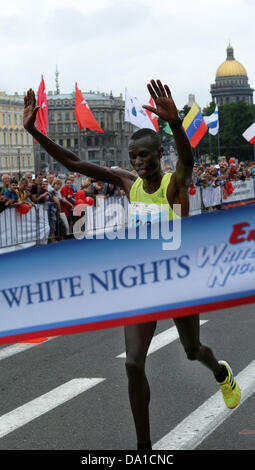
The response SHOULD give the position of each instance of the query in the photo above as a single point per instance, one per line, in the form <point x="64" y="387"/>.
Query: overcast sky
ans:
<point x="110" y="45"/>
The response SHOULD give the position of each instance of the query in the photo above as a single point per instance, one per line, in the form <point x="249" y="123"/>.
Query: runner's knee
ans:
<point x="134" y="368"/>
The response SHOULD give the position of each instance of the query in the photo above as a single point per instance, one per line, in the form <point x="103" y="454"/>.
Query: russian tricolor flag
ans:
<point x="194" y="125"/>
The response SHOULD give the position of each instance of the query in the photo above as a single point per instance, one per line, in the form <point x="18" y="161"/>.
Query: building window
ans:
<point x="28" y="161"/>
<point x="60" y="127"/>
<point x="4" y="118"/>
<point x="10" y="135"/>
<point x="67" y="116"/>
<point x="59" y="116"/>
<point x="15" y="118"/>
<point x="42" y="156"/>
<point x="92" y="154"/>
<point x="5" y="138"/>
<point x="60" y="141"/>
<point x="16" y="138"/>
<point x="22" y="138"/>
<point x="9" y="118"/>
<point x="51" y="116"/>
<point x="68" y="143"/>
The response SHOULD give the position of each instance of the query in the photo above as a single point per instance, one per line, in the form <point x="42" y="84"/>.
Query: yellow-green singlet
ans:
<point x="142" y="202"/>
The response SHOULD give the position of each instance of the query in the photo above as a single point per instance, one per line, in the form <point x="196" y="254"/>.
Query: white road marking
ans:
<point x="188" y="434"/>
<point x="19" y="347"/>
<point x="41" y="405"/>
<point x="162" y="339"/>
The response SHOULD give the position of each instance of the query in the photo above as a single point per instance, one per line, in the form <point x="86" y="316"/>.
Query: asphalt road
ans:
<point x="100" y="418"/>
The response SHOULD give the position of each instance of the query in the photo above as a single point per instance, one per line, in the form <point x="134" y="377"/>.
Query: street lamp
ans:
<point x="18" y="158"/>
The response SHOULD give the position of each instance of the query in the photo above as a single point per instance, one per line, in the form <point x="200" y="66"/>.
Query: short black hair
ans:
<point x="146" y="132"/>
<point x="13" y="180"/>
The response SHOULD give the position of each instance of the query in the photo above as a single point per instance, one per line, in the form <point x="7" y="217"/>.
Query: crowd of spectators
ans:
<point x="58" y="195"/>
<point x="205" y="175"/>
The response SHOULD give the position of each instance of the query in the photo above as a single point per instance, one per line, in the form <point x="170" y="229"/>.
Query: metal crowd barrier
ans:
<point x="42" y="224"/>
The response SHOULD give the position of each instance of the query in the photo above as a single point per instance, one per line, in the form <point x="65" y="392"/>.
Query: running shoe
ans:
<point x="229" y="388"/>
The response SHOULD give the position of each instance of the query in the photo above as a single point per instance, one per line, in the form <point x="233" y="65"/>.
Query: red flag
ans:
<point x="84" y="116"/>
<point x="152" y="116"/>
<point x="42" y="114"/>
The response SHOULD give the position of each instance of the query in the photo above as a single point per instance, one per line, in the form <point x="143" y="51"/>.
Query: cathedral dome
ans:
<point x="231" y="67"/>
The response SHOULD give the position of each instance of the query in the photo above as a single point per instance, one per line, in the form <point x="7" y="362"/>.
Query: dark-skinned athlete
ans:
<point x="145" y="152"/>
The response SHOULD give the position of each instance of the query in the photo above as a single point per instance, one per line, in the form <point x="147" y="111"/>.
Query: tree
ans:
<point x="234" y="119"/>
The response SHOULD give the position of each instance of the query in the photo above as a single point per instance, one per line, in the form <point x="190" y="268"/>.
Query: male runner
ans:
<point x="145" y="153"/>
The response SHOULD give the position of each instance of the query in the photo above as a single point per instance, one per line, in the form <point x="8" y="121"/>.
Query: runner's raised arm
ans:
<point x="67" y="158"/>
<point x="166" y="110"/>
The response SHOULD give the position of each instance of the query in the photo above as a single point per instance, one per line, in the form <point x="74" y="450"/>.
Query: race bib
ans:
<point x="140" y="213"/>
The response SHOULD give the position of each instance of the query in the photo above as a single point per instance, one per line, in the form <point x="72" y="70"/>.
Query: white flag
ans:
<point x="135" y="113"/>
<point x="249" y="134"/>
<point x="212" y="121"/>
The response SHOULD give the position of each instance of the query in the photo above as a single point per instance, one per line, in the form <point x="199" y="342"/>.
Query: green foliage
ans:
<point x="234" y="119"/>
<point x="166" y="139"/>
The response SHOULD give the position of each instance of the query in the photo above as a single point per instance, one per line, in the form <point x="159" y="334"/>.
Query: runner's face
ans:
<point x="144" y="156"/>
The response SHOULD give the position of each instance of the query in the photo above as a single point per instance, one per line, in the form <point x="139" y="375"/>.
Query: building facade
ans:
<point x="16" y="145"/>
<point x="108" y="149"/>
<point x="231" y="82"/>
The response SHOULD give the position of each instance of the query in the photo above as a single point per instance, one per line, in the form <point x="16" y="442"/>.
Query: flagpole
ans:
<point x="219" y="142"/>
<point x="79" y="142"/>
<point x="210" y="147"/>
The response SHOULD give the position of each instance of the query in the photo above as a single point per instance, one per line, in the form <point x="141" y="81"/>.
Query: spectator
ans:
<point x="233" y="174"/>
<point x="36" y="187"/>
<point x="50" y="178"/>
<point x="11" y="193"/>
<point x="55" y="192"/>
<point x="29" y="177"/>
<point x="2" y="202"/>
<point x="98" y="188"/>
<point x="21" y="191"/>
<point x="72" y="178"/>
<point x="5" y="181"/>
<point x="68" y="199"/>
<point x="44" y="195"/>
<point x="86" y="186"/>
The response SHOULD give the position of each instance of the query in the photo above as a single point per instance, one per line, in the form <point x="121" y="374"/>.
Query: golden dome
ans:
<point x="230" y="67"/>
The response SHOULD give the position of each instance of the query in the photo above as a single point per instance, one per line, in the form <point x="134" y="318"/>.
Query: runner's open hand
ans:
<point x="30" y="110"/>
<point x="165" y="106"/>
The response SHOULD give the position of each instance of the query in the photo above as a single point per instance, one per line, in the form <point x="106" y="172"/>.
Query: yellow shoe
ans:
<point x="229" y="388"/>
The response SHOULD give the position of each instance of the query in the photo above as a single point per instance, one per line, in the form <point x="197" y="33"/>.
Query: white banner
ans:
<point x="23" y="230"/>
<point x="101" y="283"/>
<point x="242" y="190"/>
<point x="195" y="202"/>
<point x="211" y="196"/>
